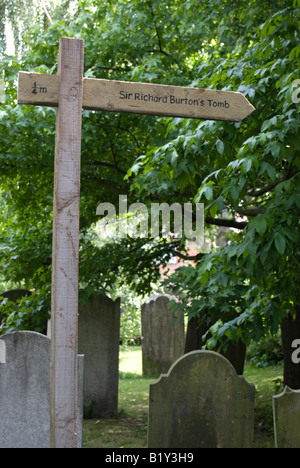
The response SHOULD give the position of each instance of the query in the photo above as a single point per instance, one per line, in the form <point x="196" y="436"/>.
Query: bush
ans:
<point x="130" y="331"/>
<point x="27" y="313"/>
<point x="266" y="352"/>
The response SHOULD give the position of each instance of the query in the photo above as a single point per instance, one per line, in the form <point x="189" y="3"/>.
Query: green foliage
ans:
<point x="257" y="177"/>
<point x="246" y="173"/>
<point x="29" y="313"/>
<point x="130" y="330"/>
<point x="266" y="352"/>
<point x="22" y="14"/>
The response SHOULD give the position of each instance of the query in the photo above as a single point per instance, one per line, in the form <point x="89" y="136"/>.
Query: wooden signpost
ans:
<point x="70" y="93"/>
<point x="138" y="98"/>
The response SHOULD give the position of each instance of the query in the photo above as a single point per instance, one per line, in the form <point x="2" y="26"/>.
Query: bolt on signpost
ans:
<point x="70" y="93"/>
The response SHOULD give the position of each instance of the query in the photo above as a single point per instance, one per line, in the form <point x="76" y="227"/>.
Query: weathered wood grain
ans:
<point x="64" y="309"/>
<point x="139" y="98"/>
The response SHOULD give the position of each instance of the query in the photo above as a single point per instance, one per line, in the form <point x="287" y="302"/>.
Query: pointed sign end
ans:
<point x="248" y="108"/>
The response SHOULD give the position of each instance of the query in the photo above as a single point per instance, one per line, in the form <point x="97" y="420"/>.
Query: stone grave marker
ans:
<point x="162" y="338"/>
<point x="201" y="403"/>
<point x="15" y="294"/>
<point x="98" y="340"/>
<point x="286" y="417"/>
<point x="25" y="391"/>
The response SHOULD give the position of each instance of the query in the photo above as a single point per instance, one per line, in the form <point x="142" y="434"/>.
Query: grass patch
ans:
<point x="268" y="382"/>
<point x="129" y="429"/>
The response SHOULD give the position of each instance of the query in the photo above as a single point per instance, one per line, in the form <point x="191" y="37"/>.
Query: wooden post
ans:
<point x="64" y="315"/>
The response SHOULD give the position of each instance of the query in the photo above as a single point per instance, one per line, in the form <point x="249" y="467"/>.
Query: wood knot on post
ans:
<point x="72" y="94"/>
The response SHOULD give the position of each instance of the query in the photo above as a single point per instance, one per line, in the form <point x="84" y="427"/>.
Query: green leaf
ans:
<point x="247" y="164"/>
<point x="265" y="125"/>
<point x="235" y="192"/>
<point x="270" y="170"/>
<point x="265" y="250"/>
<point x="275" y="148"/>
<point x="260" y="224"/>
<point x="220" y="203"/>
<point x="251" y="143"/>
<point x="280" y="243"/>
<point x="220" y="147"/>
<point x="234" y="164"/>
<point x="208" y="192"/>
<point x="213" y="210"/>
<point x="174" y="156"/>
<point x="292" y="234"/>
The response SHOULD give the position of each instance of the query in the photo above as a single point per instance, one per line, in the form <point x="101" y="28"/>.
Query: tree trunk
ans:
<point x="235" y="352"/>
<point x="193" y="339"/>
<point x="290" y="331"/>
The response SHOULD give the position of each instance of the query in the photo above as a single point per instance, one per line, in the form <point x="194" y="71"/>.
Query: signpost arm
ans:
<point x="139" y="98"/>
<point x="65" y="260"/>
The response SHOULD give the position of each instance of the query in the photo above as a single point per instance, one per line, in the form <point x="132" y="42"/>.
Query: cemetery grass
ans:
<point x="129" y="428"/>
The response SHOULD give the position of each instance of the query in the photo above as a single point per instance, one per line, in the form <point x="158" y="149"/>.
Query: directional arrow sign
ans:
<point x="138" y="98"/>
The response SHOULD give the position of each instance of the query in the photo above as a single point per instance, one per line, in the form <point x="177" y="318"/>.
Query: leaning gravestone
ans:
<point x="201" y="403"/>
<point x="25" y="391"/>
<point x="162" y="337"/>
<point x="286" y="417"/>
<point x="98" y="340"/>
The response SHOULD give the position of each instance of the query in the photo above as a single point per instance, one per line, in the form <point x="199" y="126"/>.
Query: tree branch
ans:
<point x="109" y="165"/>
<point x="157" y="32"/>
<point x="272" y="185"/>
<point x="122" y="190"/>
<point x="231" y="223"/>
<point x="160" y="51"/>
<point x="46" y="12"/>
<point x="130" y="133"/>
<point x="188" y="257"/>
<point x="251" y="211"/>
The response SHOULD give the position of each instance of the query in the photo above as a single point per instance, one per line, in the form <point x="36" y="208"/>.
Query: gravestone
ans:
<point x="201" y="403"/>
<point x="98" y="340"/>
<point x="286" y="417"/>
<point x="162" y="337"/>
<point x="25" y="391"/>
<point x="15" y="294"/>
